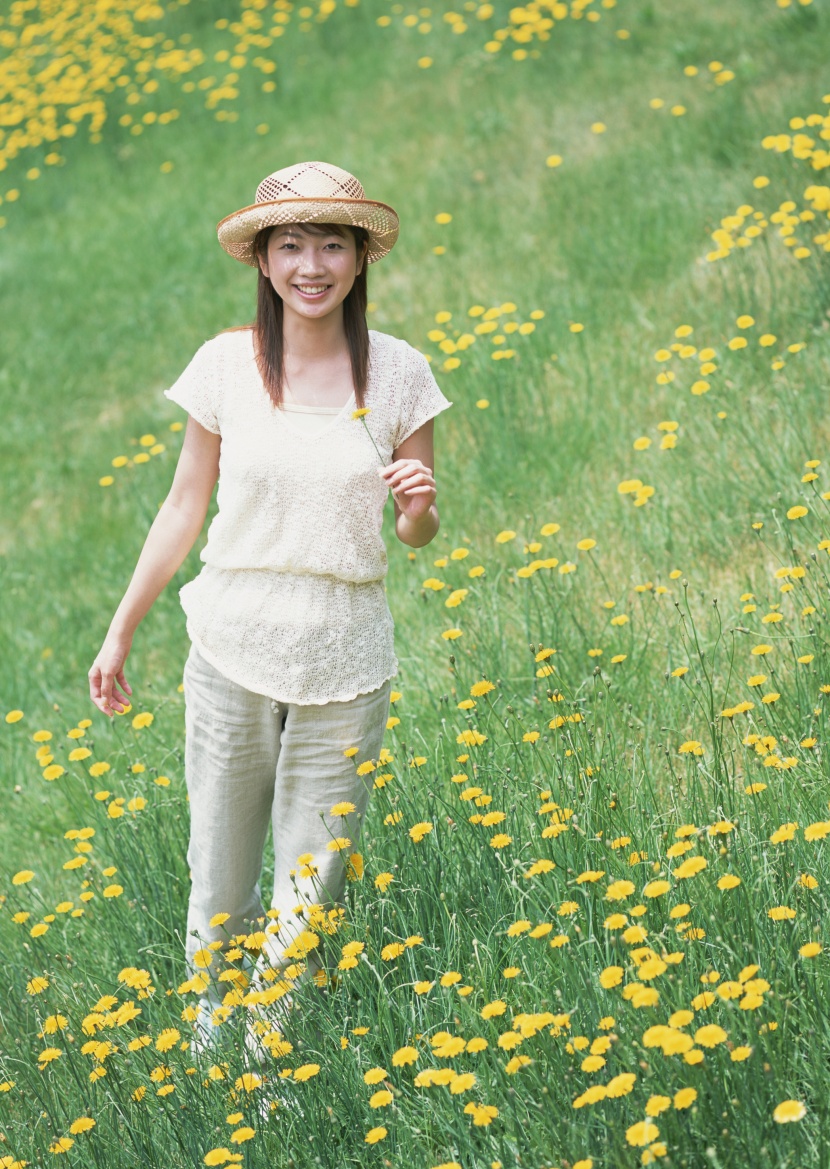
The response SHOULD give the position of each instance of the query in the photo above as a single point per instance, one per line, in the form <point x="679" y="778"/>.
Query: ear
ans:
<point x="262" y="256"/>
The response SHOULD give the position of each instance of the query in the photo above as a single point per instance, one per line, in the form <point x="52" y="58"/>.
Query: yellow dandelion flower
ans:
<point x="618" y="890"/>
<point x="642" y="1133"/>
<point x="656" y="888"/>
<point x="690" y="868"/>
<point x="611" y="976"/>
<point x="788" y="1111"/>
<point x="810" y="949"/>
<point x="690" y="747"/>
<point x="781" y="913"/>
<point x="710" y="1035"/>
<point x="217" y="1156"/>
<point x="82" y="1124"/>
<point x="739" y="1054"/>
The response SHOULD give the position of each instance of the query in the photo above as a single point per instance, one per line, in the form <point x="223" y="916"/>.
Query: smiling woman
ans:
<point x="288" y="681"/>
<point x="304" y="256"/>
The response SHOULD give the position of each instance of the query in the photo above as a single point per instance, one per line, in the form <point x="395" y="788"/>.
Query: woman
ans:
<point x="308" y="419"/>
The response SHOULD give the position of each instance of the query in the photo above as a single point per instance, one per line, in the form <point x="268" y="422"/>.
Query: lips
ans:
<point x="314" y="296"/>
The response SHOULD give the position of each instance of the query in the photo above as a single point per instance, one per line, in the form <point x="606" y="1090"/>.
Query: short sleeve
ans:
<point x="421" y="398"/>
<point x="197" y="388"/>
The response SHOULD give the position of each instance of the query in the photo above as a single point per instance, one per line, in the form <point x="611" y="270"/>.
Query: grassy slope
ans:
<point x="111" y="277"/>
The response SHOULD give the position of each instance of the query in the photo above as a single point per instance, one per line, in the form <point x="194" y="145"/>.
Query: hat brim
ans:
<point x="236" y="231"/>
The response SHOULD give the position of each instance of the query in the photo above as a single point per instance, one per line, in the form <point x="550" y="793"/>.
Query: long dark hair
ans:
<point x="268" y="335"/>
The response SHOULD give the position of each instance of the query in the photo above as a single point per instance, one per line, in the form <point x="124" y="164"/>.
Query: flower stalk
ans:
<point x="364" y="410"/>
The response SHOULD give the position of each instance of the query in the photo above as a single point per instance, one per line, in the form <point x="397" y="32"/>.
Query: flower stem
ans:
<point x="380" y="456"/>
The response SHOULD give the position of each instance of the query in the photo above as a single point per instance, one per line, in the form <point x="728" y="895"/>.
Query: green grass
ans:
<point x="110" y="278"/>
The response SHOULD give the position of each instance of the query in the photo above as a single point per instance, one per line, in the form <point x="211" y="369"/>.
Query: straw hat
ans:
<point x="309" y="192"/>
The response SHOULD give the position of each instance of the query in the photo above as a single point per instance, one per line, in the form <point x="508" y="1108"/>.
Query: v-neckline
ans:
<point x="323" y="430"/>
<point x="310" y="436"/>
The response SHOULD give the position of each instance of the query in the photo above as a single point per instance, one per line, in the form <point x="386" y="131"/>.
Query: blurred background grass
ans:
<point x="111" y="277"/>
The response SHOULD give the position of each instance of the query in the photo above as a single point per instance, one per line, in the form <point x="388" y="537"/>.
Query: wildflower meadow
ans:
<point x="586" y="920"/>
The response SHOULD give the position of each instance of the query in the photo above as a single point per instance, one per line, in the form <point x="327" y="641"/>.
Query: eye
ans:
<point x="288" y="244"/>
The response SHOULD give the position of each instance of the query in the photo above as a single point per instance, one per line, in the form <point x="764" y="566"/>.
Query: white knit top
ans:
<point x="291" y="601"/>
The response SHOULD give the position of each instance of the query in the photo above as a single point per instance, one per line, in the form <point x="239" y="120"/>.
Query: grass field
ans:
<point x="588" y="922"/>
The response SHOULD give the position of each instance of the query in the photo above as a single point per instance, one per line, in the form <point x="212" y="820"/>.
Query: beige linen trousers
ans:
<point x="251" y="761"/>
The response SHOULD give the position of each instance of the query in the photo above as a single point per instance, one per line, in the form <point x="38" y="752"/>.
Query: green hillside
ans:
<point x="614" y="251"/>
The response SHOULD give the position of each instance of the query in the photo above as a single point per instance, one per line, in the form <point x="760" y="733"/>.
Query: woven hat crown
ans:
<point x="309" y="192"/>
<point x="309" y="180"/>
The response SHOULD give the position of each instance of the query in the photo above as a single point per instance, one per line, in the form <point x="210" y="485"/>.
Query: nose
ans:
<point x="309" y="263"/>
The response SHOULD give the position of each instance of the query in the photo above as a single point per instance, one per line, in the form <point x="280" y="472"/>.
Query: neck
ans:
<point x="310" y="339"/>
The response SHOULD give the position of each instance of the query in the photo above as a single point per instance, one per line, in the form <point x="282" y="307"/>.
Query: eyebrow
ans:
<point x="291" y="231"/>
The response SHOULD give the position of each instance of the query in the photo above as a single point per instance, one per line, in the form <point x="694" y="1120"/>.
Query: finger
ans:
<point x="123" y="681"/>
<point x="401" y="466"/>
<point x="417" y="491"/>
<point x="412" y="481"/>
<point x="404" y="473"/>
<point x="97" y="689"/>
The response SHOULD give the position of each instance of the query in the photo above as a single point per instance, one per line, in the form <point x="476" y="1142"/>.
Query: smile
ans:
<point x="317" y="291"/>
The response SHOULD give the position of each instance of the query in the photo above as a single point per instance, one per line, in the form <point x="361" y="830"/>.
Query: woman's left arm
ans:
<point x="410" y="476"/>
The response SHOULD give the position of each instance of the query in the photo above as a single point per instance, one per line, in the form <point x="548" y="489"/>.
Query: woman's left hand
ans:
<point x="412" y="486"/>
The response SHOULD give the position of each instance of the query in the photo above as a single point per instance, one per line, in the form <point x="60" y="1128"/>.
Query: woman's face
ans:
<point x="300" y="260"/>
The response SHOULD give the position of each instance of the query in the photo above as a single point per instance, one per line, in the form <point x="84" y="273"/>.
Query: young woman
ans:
<point x="308" y="419"/>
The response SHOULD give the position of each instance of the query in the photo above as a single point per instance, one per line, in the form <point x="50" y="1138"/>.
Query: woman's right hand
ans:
<point x="105" y="670"/>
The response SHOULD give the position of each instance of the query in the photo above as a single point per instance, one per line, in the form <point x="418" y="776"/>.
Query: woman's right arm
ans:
<point x="171" y="536"/>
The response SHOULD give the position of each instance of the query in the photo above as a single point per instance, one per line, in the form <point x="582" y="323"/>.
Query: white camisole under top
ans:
<point x="310" y="419"/>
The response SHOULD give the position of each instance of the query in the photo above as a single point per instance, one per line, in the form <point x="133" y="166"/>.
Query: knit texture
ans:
<point x="291" y="600"/>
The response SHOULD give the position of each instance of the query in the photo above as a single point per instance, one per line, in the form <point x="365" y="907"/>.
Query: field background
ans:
<point x="110" y="279"/>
